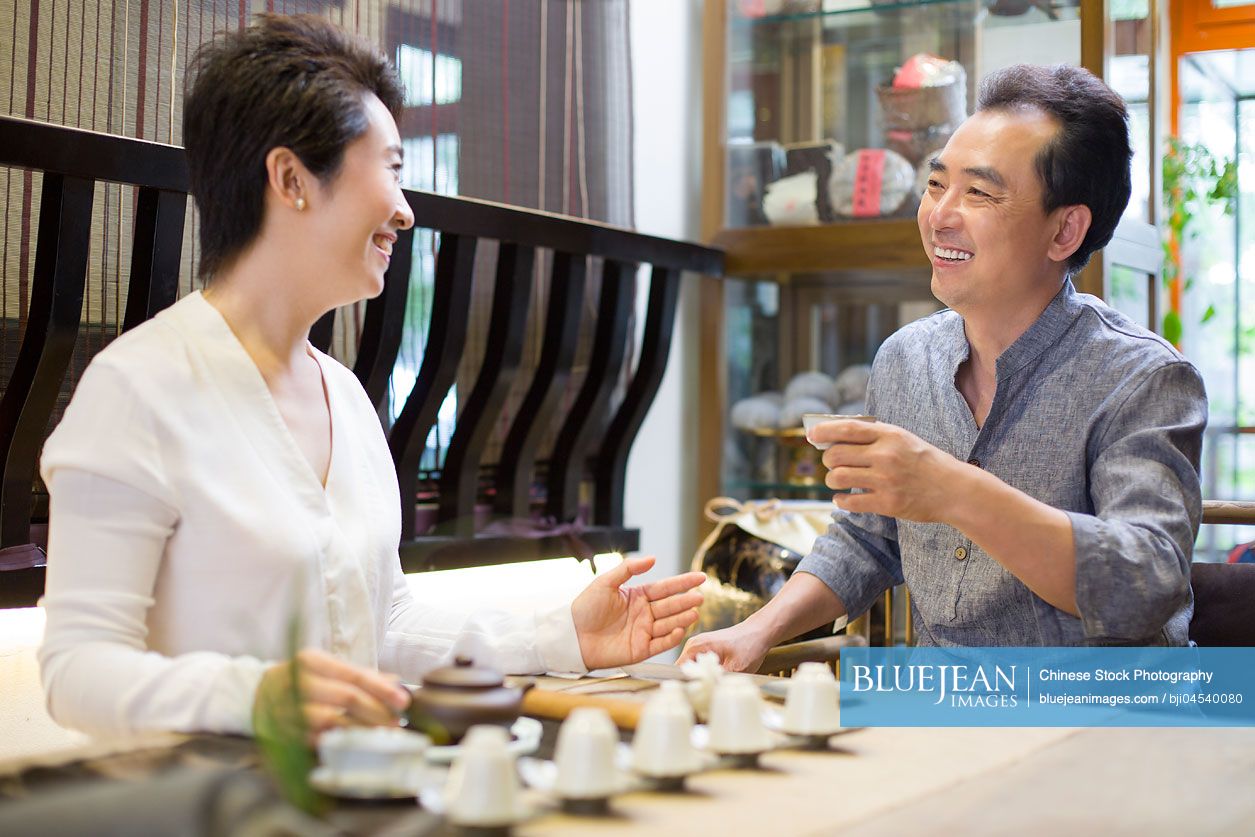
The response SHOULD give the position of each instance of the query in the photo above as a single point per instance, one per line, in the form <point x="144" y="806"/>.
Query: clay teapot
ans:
<point x="461" y="695"/>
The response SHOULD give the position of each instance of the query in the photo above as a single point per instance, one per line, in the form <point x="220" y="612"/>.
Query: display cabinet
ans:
<point x="819" y="116"/>
<point x="832" y="107"/>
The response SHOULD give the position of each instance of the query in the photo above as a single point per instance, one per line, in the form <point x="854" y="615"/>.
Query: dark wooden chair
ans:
<point x="1224" y="594"/>
<point x="1224" y="604"/>
<point x="534" y="492"/>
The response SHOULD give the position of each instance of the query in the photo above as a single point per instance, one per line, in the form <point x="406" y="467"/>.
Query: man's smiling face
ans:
<point x="981" y="220"/>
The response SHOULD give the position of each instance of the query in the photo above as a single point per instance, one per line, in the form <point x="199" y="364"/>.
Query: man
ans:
<point x="1034" y="474"/>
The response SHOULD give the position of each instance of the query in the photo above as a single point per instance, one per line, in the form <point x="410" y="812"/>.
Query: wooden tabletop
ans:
<point x="876" y="781"/>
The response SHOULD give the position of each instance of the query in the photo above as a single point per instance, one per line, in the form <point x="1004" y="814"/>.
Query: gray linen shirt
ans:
<point x="1092" y="415"/>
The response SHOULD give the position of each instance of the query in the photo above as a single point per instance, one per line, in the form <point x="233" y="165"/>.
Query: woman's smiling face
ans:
<point x="354" y="219"/>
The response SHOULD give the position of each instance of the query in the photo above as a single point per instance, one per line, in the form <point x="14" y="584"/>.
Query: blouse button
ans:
<point x="960" y="553"/>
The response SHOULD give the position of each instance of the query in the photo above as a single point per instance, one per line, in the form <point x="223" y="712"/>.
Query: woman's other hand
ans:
<point x="330" y="693"/>
<point x="619" y="625"/>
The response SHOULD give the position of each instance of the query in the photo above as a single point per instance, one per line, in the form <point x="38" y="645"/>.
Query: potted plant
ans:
<point x="1193" y="178"/>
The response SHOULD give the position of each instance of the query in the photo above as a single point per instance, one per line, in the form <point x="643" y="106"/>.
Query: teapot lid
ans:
<point x="463" y="674"/>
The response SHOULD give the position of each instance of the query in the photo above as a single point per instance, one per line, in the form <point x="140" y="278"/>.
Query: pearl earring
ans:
<point x="300" y="204"/>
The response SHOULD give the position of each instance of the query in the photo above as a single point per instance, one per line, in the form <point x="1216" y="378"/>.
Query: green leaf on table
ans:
<point x="283" y="736"/>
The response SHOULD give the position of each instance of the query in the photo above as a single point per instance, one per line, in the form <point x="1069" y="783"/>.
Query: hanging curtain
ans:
<point x="525" y="102"/>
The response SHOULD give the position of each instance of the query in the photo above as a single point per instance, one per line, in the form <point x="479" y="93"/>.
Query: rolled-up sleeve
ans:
<point x="857" y="558"/>
<point x="1133" y="553"/>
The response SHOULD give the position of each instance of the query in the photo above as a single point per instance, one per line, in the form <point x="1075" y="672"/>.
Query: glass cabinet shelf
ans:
<point x="851" y="8"/>
<point x="833" y="109"/>
<point x="757" y="488"/>
<point x="802" y="343"/>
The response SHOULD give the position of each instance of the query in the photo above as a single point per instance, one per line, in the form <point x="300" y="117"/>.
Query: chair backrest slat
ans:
<point x="323" y="331"/>
<point x="610" y="468"/>
<point x="446" y="340"/>
<point x="575" y="440"/>
<point x="459" y="478"/>
<point x="56" y="306"/>
<point x="155" y="254"/>
<point x="557" y="355"/>
<point x="383" y="323"/>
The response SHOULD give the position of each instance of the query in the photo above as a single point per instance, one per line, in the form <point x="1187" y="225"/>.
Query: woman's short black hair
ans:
<point x="1088" y="160"/>
<point x="296" y="82"/>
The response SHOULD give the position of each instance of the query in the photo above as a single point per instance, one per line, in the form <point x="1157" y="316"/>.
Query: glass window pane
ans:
<point x="1128" y="73"/>
<point x="1128" y="291"/>
<point x="414" y="65"/>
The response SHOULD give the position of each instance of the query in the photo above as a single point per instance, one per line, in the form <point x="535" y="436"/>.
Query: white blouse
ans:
<point x="189" y="536"/>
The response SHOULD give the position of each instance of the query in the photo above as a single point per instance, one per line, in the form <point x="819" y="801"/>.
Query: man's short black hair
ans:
<point x="1088" y="160"/>
<point x="296" y="82"/>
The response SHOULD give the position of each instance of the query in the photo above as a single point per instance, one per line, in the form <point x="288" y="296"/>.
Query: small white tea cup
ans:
<point x="584" y="755"/>
<point x="811" y="708"/>
<point x="662" y="746"/>
<point x="482" y="790"/>
<point x="736" y="718"/>
<point x="812" y="420"/>
<point x="374" y="756"/>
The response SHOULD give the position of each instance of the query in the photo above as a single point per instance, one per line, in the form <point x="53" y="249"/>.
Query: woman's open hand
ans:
<point x="329" y="693"/>
<point x="619" y="625"/>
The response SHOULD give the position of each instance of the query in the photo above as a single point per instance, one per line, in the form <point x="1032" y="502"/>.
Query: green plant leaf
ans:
<point x="282" y="734"/>
<point x="1208" y="314"/>
<point x="1193" y="179"/>
<point x="1172" y="327"/>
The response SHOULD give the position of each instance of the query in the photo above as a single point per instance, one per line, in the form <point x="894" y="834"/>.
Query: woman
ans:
<point x="216" y="479"/>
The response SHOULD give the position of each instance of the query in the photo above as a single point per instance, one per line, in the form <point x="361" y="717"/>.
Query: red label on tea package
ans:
<point x="869" y="174"/>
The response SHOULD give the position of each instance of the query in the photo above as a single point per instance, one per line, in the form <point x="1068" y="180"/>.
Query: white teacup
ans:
<point x="812" y="420"/>
<point x="675" y="690"/>
<point x="584" y="755"/>
<point x="811" y="708"/>
<point x="662" y="747"/>
<point x="736" y="718"/>
<point x="482" y="790"/>
<point x="374" y="756"/>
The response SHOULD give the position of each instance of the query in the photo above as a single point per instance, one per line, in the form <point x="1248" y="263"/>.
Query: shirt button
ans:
<point x="960" y="553"/>
<point x="974" y="461"/>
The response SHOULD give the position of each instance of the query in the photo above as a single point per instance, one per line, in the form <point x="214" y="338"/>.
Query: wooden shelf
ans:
<point x="856" y="245"/>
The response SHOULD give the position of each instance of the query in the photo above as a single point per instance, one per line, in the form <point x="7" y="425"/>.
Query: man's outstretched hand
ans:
<point x="619" y="625"/>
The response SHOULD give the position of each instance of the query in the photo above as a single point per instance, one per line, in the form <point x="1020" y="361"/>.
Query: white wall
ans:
<point x="661" y="494"/>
